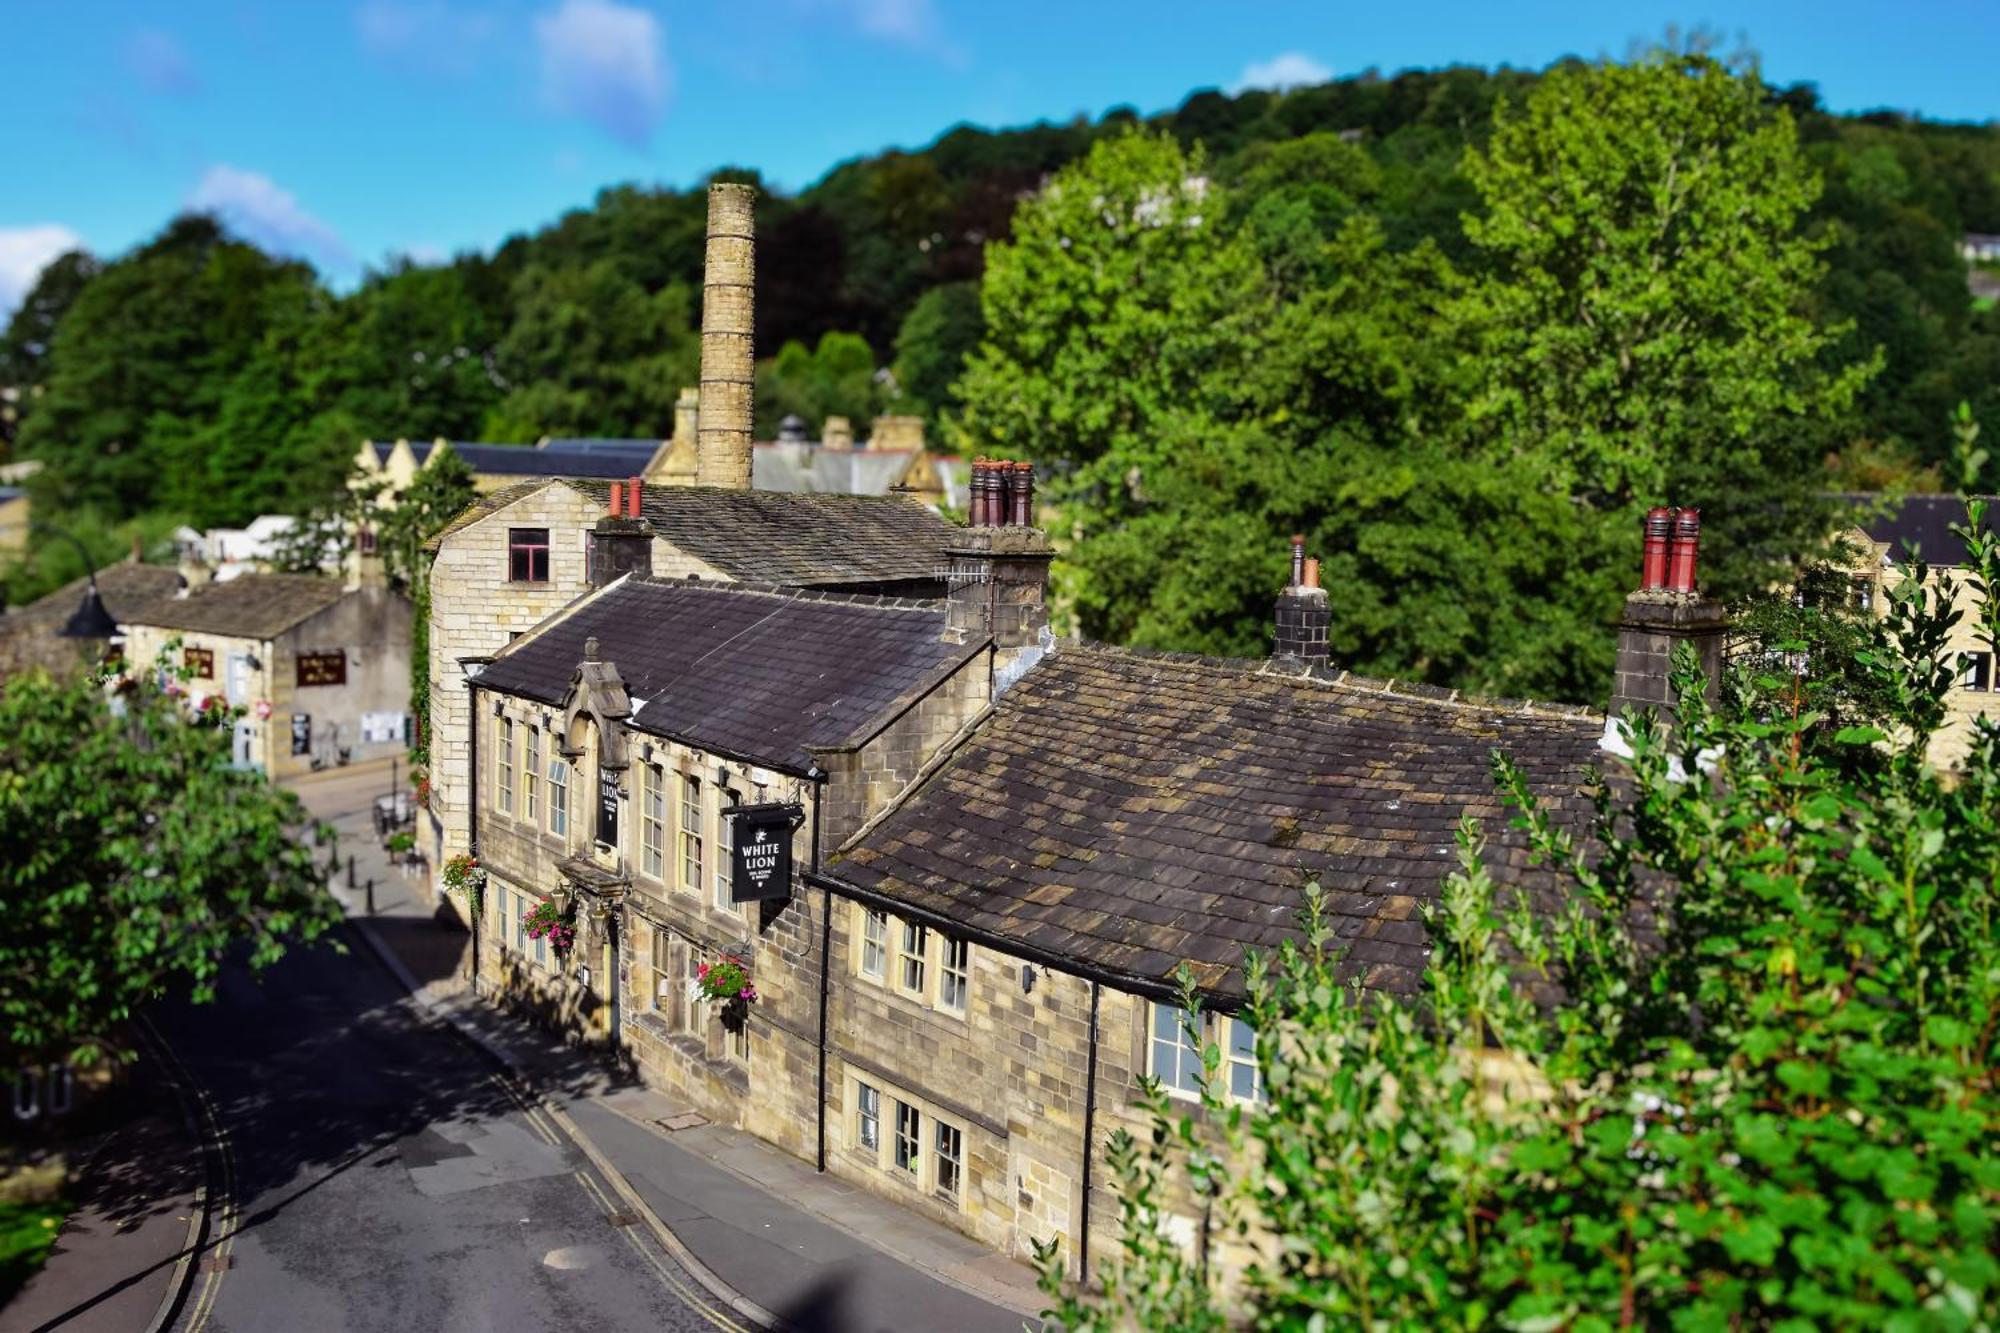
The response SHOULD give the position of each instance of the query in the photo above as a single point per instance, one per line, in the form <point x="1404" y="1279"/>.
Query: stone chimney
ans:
<point x="897" y="433"/>
<point x="1664" y="613"/>
<point x="1302" y="615"/>
<point x="729" y="288"/>
<point x="836" y="433"/>
<point x="621" y="544"/>
<point x="998" y="571"/>
<point x="366" y="568"/>
<point x="687" y="415"/>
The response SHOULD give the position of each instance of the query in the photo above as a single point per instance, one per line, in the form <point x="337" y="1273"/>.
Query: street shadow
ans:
<point x="433" y="948"/>
<point x="316" y="1066"/>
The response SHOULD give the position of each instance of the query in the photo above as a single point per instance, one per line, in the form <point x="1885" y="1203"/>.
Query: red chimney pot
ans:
<point x="617" y="508"/>
<point x="1658" y="529"/>
<point x="632" y="496"/>
<point x="1686" y="547"/>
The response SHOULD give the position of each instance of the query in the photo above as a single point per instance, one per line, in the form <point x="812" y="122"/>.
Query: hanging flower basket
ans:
<point x="724" y="980"/>
<point x="550" y="922"/>
<point x="463" y="874"/>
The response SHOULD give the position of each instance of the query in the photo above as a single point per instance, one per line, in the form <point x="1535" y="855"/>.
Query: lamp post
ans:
<point x="90" y="620"/>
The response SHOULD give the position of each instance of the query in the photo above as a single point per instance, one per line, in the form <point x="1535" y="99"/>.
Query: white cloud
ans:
<point x="254" y="206"/>
<point x="911" y="23"/>
<point x="606" y="63"/>
<point x="158" y="61"/>
<point x="1290" y="70"/>
<point x="427" y="36"/>
<point x="24" y="253"/>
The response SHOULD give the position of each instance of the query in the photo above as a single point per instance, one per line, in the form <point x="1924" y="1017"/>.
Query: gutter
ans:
<point x="1132" y="983"/>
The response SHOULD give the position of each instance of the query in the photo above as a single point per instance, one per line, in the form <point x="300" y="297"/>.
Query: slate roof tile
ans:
<point x="1129" y="811"/>
<point x="249" y="606"/>
<point x="752" y="671"/>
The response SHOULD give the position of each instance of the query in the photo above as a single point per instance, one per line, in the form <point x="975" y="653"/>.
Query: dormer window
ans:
<point x="527" y="555"/>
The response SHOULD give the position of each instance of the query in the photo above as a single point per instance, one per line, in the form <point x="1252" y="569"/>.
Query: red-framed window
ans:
<point x="527" y="555"/>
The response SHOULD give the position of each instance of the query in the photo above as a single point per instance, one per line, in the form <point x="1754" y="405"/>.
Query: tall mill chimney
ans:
<point x="728" y="300"/>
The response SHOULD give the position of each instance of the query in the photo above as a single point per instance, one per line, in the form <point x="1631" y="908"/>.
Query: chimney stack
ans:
<point x="1666" y="611"/>
<point x="1302" y="614"/>
<point x="687" y="415"/>
<point x="620" y="543"/>
<point x="997" y="571"/>
<point x="836" y="433"/>
<point x="729" y="283"/>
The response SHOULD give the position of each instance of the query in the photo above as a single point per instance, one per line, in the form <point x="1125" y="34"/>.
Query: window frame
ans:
<point x="879" y="944"/>
<point x="867" y="1121"/>
<point x="503" y="765"/>
<point x="942" y="1131"/>
<point x="692" y="796"/>
<point x="653" y="823"/>
<point x="906" y="957"/>
<point x="724" y="849"/>
<point x="558" y="795"/>
<point x="950" y="977"/>
<point x="531" y="778"/>
<point x="1234" y="1059"/>
<point x="522" y="550"/>
<point x="1185" y="1044"/>
<point x="906" y="1148"/>
<point x="661" y="955"/>
<point x="1975" y="671"/>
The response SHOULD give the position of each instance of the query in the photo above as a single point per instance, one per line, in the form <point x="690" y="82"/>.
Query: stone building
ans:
<point x="31" y="635"/>
<point x="495" y="466"/>
<point x="1884" y="540"/>
<point x="522" y="552"/>
<point x="322" y="666"/>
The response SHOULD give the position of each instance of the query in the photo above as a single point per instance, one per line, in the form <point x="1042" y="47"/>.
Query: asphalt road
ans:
<point x="376" y="1173"/>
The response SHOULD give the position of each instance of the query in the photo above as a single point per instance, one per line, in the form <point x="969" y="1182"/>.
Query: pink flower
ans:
<point x="747" y="993"/>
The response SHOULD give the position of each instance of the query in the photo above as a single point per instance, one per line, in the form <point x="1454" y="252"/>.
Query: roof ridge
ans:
<point x="1341" y="679"/>
<point x="793" y="592"/>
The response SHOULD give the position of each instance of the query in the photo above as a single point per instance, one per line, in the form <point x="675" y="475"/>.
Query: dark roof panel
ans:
<point x="29" y="634"/>
<point x="1129" y="811"/>
<point x="758" y="673"/>
<point x="809" y="540"/>
<point x="1924" y="523"/>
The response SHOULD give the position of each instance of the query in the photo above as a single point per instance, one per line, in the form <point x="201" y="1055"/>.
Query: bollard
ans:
<point x="350" y="872"/>
<point x="371" y="897"/>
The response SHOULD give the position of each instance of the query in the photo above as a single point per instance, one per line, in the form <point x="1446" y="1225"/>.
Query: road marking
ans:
<point x="699" y="1301"/>
<point x="216" y="1140"/>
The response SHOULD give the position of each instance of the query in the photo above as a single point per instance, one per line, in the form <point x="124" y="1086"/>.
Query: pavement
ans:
<point x="117" y="1263"/>
<point x="764" y="1235"/>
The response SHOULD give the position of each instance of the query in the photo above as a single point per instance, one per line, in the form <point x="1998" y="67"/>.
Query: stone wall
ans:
<point x="369" y="626"/>
<point x="476" y="610"/>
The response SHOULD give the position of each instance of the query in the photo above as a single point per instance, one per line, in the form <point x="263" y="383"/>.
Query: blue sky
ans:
<point x="345" y="131"/>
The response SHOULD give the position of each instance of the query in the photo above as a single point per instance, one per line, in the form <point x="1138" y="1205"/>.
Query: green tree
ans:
<point x="24" y="347"/>
<point x="1644" y="328"/>
<point x="941" y="330"/>
<point x="1762" y="1098"/>
<point x="590" y="352"/>
<point x="835" y="378"/>
<point x="133" y="859"/>
<point x="141" y="360"/>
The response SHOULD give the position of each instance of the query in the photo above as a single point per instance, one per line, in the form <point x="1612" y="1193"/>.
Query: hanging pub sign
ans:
<point x="761" y="865"/>
<point x="607" y="806"/>
<point x="328" y="668"/>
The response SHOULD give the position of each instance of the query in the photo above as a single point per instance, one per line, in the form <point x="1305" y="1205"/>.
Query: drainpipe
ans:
<point x="472" y="798"/>
<point x="825" y="951"/>
<point x="1089" y="1137"/>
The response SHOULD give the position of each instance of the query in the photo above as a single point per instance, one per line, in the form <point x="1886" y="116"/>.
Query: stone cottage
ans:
<point x="322" y="665"/>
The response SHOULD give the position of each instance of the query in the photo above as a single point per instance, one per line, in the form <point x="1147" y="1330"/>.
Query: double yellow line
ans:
<point x="222" y="1204"/>
<point x="700" y="1301"/>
